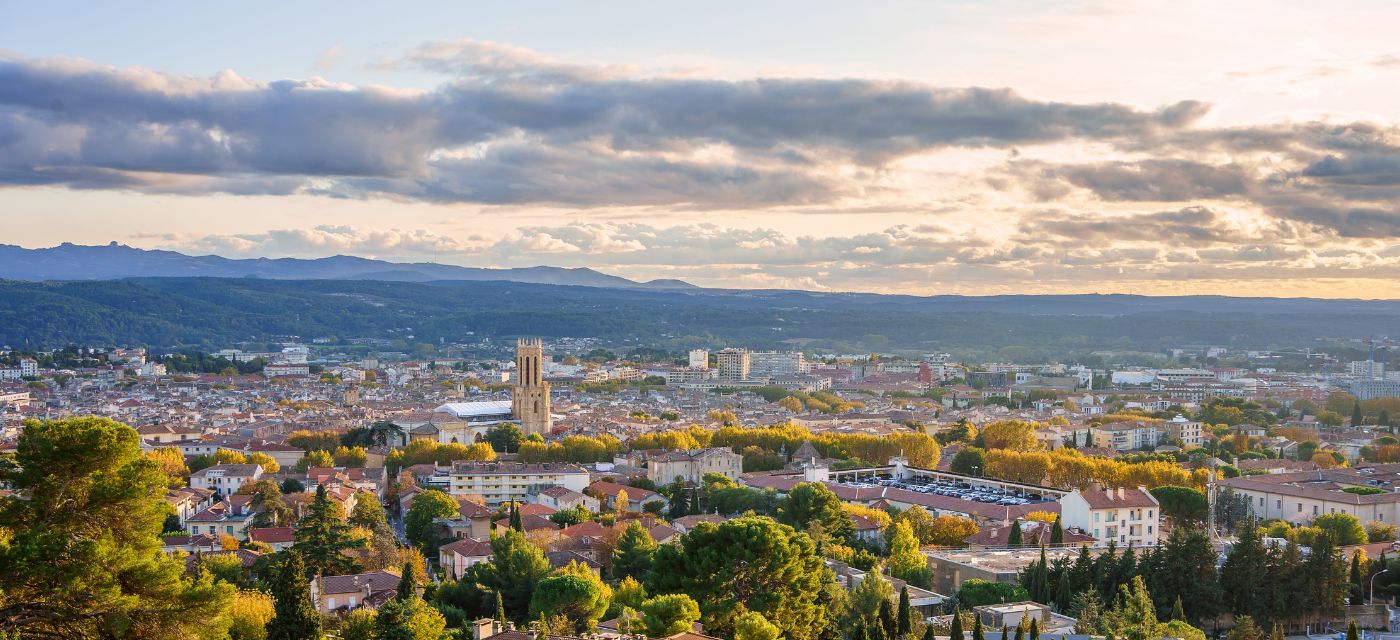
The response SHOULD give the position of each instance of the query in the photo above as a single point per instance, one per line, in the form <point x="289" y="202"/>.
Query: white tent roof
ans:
<point x="475" y="409"/>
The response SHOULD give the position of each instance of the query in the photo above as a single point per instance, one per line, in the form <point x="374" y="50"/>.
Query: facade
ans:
<point x="1188" y="431"/>
<point x="529" y="397"/>
<point x="777" y="363"/>
<point x="332" y="594"/>
<point x="733" y="364"/>
<point x="699" y="359"/>
<point x="28" y="368"/>
<point x="226" y="478"/>
<point x="456" y="557"/>
<point x="1368" y="389"/>
<point x="1126" y="517"/>
<point x="691" y="466"/>
<point x="1128" y="436"/>
<point x="1300" y="496"/>
<point x="499" y="482"/>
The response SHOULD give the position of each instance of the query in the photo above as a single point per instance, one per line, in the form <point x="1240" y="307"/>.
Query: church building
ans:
<point x="468" y="422"/>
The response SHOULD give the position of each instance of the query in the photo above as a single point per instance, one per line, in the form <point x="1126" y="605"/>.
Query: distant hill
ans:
<point x="114" y="261"/>
<point x="220" y="312"/>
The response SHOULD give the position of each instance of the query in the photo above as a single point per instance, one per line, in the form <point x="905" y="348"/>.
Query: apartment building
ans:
<point x="777" y="363"/>
<point x="733" y="364"/>
<point x="227" y="479"/>
<point x="1122" y="516"/>
<point x="499" y="482"/>
<point x="1300" y="496"/>
<point x="1128" y="436"/>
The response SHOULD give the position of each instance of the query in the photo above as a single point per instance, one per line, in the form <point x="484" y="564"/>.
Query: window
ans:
<point x="1300" y="507"/>
<point x="1149" y="529"/>
<point x="1314" y="509"/>
<point x="1096" y="517"/>
<point x="330" y="603"/>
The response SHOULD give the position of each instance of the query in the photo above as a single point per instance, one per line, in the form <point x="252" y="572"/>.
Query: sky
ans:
<point x="988" y="147"/>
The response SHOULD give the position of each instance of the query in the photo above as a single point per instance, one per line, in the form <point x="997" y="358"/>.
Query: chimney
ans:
<point x="1121" y="495"/>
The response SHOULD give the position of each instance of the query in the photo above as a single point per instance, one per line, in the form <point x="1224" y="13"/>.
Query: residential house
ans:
<point x="1127" y="517"/>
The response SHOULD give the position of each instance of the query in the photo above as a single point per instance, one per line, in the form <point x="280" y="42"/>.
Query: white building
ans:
<point x="699" y="359"/>
<point x="1122" y="516"/>
<point x="499" y="482"/>
<point x="777" y="363"/>
<point x="27" y="368"/>
<point x="226" y="478"/>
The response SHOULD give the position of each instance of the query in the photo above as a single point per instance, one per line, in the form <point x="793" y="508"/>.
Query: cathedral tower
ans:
<point x="529" y="399"/>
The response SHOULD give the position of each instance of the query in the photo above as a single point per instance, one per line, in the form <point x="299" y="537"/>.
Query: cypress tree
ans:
<point x="1356" y="414"/>
<point x="1014" y="538"/>
<point x="1355" y="578"/>
<point x="928" y="632"/>
<point x="1178" y="613"/>
<point x="408" y="584"/>
<point x="1351" y="631"/>
<point x="861" y="633"/>
<point x="1057" y="533"/>
<point x="294" y="618"/>
<point x="1277" y="632"/>
<point x="887" y="622"/>
<point x="905" y="621"/>
<point x="1020" y="632"/>
<point x="1035" y="630"/>
<point x="1003" y="632"/>
<point x="977" y="632"/>
<point x="1062" y="593"/>
<point x="1384" y="419"/>
<point x="500" y="610"/>
<point x="955" y="630"/>
<point x="515" y="522"/>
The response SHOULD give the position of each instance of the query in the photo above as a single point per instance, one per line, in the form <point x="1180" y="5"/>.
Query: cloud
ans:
<point x="514" y="127"/>
<point x="328" y="58"/>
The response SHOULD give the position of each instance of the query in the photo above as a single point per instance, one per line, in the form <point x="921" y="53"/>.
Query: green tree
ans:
<point x="955" y="631"/>
<point x="294" y="617"/>
<point x="753" y="626"/>
<point x="808" y="501"/>
<point x="1014" y="539"/>
<point x="577" y="600"/>
<point x="249" y="614"/>
<point x="411" y="619"/>
<point x="1245" y="629"/>
<point x="265" y="498"/>
<point x="1345" y="529"/>
<point x="1357" y="596"/>
<point x="1356" y="417"/>
<point x="904" y="617"/>
<point x="970" y="461"/>
<point x="80" y="552"/>
<point x="358" y="625"/>
<point x="632" y="556"/>
<point x="1057" y="533"/>
<point x="1247" y="560"/>
<point x="323" y="536"/>
<point x="1351" y="631"/>
<point x="768" y="567"/>
<point x="516" y="565"/>
<point x="669" y="614"/>
<point x="906" y="561"/>
<point x="1184" y="505"/>
<point x="418" y="523"/>
<point x="505" y="438"/>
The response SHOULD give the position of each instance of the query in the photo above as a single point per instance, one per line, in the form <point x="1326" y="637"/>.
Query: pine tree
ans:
<point x="1062" y="592"/>
<point x="1057" y="533"/>
<point x="1351" y="631"/>
<point x="1003" y="633"/>
<point x="321" y="537"/>
<point x="1014" y="538"/>
<point x="408" y="584"/>
<point x="294" y="618"/>
<point x="1035" y="630"/>
<point x="632" y="556"/>
<point x="928" y="633"/>
<point x="1178" y="613"/>
<point x="1277" y="632"/>
<point x="904" y="620"/>
<point x="955" y="630"/>
<point x="1020" y="632"/>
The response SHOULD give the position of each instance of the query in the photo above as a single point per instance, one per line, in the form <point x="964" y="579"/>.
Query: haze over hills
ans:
<point x="113" y="261"/>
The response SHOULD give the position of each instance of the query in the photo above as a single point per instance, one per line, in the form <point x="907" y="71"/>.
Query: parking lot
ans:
<point x="960" y="490"/>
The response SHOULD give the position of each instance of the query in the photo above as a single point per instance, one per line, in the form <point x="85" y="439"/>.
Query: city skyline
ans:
<point x="971" y="148"/>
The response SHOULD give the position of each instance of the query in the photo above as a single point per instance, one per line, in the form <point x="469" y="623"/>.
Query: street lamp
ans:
<point x="1373" y="584"/>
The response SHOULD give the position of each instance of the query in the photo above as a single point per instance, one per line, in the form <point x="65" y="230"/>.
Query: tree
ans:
<point x="808" y="501"/>
<point x="906" y="561"/>
<point x="515" y="523"/>
<point x="1184" y="505"/>
<point x="418" y="524"/>
<point x="669" y="614"/>
<point x="80" y="552"/>
<point x="267" y="462"/>
<point x="1356" y="417"/>
<point x="955" y="631"/>
<point x="317" y="458"/>
<point x="1357" y="595"/>
<point x="358" y="625"/>
<point x="1018" y="435"/>
<point x="249" y="614"/>
<point x="632" y="556"/>
<point x="1351" y="631"/>
<point x="410" y="619"/>
<point x="752" y="625"/>
<point x="266" y="500"/>
<point x="322" y="536"/>
<point x="1013" y="539"/>
<point x="294" y="618"/>
<point x="505" y="437"/>
<point x="516" y="566"/>
<point x="977" y="632"/>
<point x="1057" y="533"/>
<point x="1345" y="529"/>
<point x="768" y="567"/>
<point x="577" y="600"/>
<point x="407" y="588"/>
<point x="970" y="461"/>
<point x="1245" y="629"/>
<point x="904" y="616"/>
<point x="1244" y="592"/>
<point x="291" y="486"/>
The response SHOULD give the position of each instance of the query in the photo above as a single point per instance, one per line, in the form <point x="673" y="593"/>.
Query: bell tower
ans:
<point x="529" y="398"/>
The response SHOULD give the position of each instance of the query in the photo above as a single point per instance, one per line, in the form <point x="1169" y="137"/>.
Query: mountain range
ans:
<point x="115" y="261"/>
